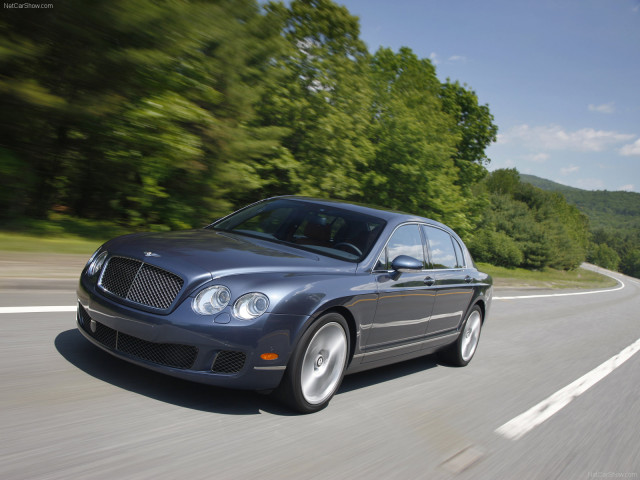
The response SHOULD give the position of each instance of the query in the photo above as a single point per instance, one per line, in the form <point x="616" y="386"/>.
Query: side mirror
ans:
<point x="405" y="263"/>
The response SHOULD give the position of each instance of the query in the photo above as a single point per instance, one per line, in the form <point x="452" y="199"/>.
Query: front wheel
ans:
<point x="317" y="365"/>
<point x="462" y="350"/>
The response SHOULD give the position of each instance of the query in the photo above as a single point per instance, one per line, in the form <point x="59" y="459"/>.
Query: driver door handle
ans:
<point x="468" y="279"/>
<point x="429" y="281"/>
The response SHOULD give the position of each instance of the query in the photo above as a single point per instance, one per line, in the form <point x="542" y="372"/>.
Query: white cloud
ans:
<point x="554" y="137"/>
<point x="631" y="149"/>
<point x="538" y="157"/>
<point x="604" y="108"/>
<point x="435" y="58"/>
<point x="626" y="188"/>
<point x="568" y="170"/>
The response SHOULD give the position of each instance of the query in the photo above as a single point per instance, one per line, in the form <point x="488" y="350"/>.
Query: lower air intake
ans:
<point x="228" y="361"/>
<point x="167" y="354"/>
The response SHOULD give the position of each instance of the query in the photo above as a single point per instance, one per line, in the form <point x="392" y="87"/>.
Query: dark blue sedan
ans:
<point x="287" y="294"/>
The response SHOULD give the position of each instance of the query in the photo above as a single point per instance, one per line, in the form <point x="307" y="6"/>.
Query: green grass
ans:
<point x="59" y="233"/>
<point x="547" y="278"/>
<point x="59" y="224"/>
<point x="58" y="244"/>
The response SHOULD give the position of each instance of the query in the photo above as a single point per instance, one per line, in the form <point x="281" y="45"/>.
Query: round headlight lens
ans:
<point x="96" y="264"/>
<point x="251" y="306"/>
<point x="211" y="300"/>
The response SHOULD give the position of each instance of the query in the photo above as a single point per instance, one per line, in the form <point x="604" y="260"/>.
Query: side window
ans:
<point x="459" y="254"/>
<point x="440" y="248"/>
<point x="406" y="240"/>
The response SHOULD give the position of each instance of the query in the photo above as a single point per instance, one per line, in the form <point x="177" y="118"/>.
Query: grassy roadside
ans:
<point x="547" y="278"/>
<point x="14" y="242"/>
<point x="66" y="235"/>
<point x="59" y="233"/>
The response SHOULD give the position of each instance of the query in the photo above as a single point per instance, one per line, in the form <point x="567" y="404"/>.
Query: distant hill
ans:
<point x="605" y="209"/>
<point x="545" y="184"/>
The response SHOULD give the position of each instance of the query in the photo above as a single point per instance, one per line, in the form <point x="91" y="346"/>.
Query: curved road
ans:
<point x="562" y="369"/>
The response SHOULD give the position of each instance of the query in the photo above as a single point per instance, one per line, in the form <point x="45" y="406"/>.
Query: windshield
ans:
<point x="326" y="230"/>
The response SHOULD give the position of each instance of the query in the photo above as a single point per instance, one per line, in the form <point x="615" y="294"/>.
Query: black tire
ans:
<point x="321" y="358"/>
<point x="460" y="352"/>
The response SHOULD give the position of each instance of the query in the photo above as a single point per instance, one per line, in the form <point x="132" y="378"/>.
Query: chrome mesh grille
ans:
<point x="228" y="361"/>
<point x="168" y="354"/>
<point x="140" y="282"/>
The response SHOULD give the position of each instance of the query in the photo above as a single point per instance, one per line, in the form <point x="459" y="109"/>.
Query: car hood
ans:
<point x="199" y="255"/>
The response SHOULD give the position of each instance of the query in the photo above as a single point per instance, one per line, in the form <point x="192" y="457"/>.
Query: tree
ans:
<point x="603" y="255"/>
<point x="630" y="263"/>
<point x="136" y="110"/>
<point x="474" y="128"/>
<point x="545" y="228"/>
<point x="413" y="169"/>
<point x="321" y="97"/>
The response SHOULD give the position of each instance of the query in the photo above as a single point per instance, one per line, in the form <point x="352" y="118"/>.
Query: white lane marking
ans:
<point x="620" y="287"/>
<point x="51" y="309"/>
<point x="516" y="428"/>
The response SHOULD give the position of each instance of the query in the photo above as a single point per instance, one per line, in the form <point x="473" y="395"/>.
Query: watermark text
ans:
<point x="18" y="5"/>
<point x="613" y="475"/>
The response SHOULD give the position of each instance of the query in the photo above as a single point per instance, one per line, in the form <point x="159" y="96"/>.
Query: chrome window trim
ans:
<point x="425" y="246"/>
<point x="453" y="239"/>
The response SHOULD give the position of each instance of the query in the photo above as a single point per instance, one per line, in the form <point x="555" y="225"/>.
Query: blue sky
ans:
<point x="562" y="78"/>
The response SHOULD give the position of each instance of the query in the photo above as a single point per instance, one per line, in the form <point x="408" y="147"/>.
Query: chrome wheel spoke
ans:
<point x="470" y="336"/>
<point x="323" y="363"/>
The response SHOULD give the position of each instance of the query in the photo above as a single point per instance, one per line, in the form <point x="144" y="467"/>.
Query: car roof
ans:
<point x="391" y="216"/>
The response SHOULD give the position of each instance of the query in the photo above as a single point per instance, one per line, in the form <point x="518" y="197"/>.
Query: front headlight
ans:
<point x="211" y="300"/>
<point x="251" y="306"/>
<point x="95" y="264"/>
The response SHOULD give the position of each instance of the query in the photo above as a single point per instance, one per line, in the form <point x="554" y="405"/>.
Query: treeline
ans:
<point x="616" y="250"/>
<point x="524" y="226"/>
<point x="605" y="209"/>
<point x="615" y="224"/>
<point x="167" y="115"/>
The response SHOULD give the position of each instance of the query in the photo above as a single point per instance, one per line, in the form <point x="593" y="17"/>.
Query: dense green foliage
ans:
<point x="605" y="209"/>
<point x="166" y="115"/>
<point x="615" y="223"/>
<point x="528" y="227"/>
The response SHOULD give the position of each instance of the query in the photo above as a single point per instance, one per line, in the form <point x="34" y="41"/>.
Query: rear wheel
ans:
<point x="317" y="365"/>
<point x="462" y="350"/>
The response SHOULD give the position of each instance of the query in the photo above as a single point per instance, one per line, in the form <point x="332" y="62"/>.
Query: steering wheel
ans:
<point x="350" y="245"/>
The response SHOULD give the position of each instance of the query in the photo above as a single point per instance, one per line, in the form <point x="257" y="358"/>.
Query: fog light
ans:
<point x="269" y="356"/>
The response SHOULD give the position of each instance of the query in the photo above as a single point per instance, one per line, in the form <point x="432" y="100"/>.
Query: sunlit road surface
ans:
<point x="70" y="411"/>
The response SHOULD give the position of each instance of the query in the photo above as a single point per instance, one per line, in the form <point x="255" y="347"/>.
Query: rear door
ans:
<point x="454" y="287"/>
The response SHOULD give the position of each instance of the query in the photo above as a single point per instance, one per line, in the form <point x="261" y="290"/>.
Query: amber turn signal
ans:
<point x="269" y="356"/>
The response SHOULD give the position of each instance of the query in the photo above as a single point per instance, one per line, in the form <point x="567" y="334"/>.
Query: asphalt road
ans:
<point x="70" y="411"/>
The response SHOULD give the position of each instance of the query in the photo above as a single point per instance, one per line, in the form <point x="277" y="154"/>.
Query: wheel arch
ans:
<point x="351" y="323"/>
<point x="483" y="308"/>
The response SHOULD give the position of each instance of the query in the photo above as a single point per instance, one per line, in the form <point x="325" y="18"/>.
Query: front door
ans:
<point x="405" y="298"/>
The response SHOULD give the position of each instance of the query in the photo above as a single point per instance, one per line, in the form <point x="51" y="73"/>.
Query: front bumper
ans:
<point x="194" y="347"/>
